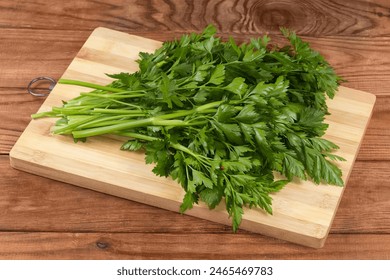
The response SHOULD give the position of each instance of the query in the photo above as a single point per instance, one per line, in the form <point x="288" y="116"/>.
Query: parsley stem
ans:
<point x="139" y="136"/>
<point x="209" y="106"/>
<point x="68" y="128"/>
<point x="199" y="109"/>
<point x="88" y="85"/>
<point x="112" y="128"/>
<point x="119" y="125"/>
<point x="180" y="147"/>
<point x="163" y="120"/>
<point x="118" y="111"/>
<point x="44" y="114"/>
<point x="106" y="121"/>
<point x="114" y="96"/>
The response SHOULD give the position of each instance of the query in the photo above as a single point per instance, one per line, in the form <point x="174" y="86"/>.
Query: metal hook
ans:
<point x="43" y="78"/>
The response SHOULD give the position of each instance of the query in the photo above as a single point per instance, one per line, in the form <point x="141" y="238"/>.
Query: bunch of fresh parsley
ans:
<point x="219" y="118"/>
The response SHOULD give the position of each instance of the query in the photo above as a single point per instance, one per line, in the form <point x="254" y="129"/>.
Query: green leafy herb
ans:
<point x="219" y="118"/>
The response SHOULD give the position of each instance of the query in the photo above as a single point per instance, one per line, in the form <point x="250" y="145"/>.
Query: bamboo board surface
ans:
<point x="303" y="212"/>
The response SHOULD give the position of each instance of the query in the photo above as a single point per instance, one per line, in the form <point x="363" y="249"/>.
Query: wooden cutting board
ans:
<point x="303" y="212"/>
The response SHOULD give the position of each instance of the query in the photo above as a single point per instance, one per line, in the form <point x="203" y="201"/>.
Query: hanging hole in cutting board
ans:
<point x="41" y="86"/>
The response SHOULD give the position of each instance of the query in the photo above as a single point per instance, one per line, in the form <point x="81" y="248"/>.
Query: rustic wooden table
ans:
<point x="44" y="219"/>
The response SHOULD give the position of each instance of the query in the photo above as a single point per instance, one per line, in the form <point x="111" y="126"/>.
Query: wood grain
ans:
<point x="344" y="31"/>
<point x="314" y="18"/>
<point x="79" y="245"/>
<point x="26" y="54"/>
<point x="41" y="38"/>
<point x="14" y="100"/>
<point x="365" y="206"/>
<point x="376" y="143"/>
<point x="364" y="62"/>
<point x="32" y="203"/>
<point x="80" y="209"/>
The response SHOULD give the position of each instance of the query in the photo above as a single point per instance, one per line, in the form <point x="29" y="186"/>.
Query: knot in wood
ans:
<point x="102" y="245"/>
